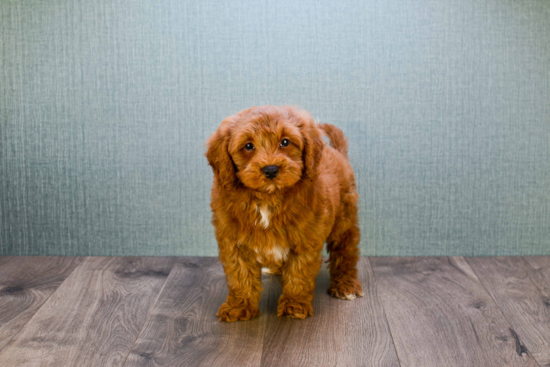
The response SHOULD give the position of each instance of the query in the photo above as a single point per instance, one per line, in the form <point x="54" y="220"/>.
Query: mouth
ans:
<point x="257" y="178"/>
<point x="270" y="189"/>
<point x="270" y="186"/>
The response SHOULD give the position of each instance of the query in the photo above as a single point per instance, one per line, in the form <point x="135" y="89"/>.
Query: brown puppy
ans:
<point x="279" y="194"/>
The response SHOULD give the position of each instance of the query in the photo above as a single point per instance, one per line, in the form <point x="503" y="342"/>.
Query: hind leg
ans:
<point x="343" y="246"/>
<point x="344" y="254"/>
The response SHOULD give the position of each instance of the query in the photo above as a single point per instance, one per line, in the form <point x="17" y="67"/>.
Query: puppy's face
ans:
<point x="267" y="153"/>
<point x="270" y="148"/>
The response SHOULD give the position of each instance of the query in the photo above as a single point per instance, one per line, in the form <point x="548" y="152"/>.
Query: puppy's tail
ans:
<point x="337" y="139"/>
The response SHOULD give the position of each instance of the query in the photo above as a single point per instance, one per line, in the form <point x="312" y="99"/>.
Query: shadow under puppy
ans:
<point x="279" y="194"/>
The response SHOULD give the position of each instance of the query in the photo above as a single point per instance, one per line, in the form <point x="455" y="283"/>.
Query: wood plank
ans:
<point x="340" y="333"/>
<point x="183" y="329"/>
<point x="25" y="284"/>
<point x="521" y="288"/>
<point x="94" y="316"/>
<point x="440" y="315"/>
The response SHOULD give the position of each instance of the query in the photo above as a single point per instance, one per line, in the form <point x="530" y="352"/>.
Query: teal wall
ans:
<point x="106" y="105"/>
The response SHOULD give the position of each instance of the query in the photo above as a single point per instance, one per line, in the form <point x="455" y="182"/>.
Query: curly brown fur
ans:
<point x="281" y="223"/>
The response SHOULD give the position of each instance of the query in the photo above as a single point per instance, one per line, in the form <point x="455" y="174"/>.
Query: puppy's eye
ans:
<point x="249" y="146"/>
<point x="285" y="142"/>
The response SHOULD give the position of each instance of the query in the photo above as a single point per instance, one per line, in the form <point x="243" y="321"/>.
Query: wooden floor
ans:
<point x="154" y="311"/>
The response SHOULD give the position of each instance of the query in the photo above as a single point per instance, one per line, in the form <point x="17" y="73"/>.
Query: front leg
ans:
<point x="298" y="283"/>
<point x="244" y="280"/>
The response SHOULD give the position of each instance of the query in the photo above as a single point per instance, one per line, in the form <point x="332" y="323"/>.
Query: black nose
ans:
<point x="271" y="171"/>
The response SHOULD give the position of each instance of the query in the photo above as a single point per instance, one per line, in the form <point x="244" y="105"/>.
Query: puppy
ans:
<point x="279" y="194"/>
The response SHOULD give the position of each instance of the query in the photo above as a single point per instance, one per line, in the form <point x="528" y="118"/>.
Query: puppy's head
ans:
<point x="265" y="148"/>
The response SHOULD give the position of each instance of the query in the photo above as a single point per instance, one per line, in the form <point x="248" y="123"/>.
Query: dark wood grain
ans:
<point x="340" y="333"/>
<point x="440" y="315"/>
<point x="57" y="311"/>
<point x="183" y="330"/>
<point x="94" y="317"/>
<point x="521" y="288"/>
<point x="25" y="284"/>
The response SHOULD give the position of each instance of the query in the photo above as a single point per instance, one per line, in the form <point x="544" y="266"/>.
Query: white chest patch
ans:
<point x="265" y="215"/>
<point x="275" y="254"/>
<point x="279" y="254"/>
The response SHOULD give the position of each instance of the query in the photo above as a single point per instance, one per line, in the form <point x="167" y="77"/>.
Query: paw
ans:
<point x="295" y="308"/>
<point x="234" y="311"/>
<point x="346" y="289"/>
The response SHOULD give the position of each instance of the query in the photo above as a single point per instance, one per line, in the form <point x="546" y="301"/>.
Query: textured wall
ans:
<point x="105" y="107"/>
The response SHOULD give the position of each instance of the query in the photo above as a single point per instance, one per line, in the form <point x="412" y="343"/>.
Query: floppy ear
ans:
<point x="313" y="149"/>
<point x="218" y="155"/>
